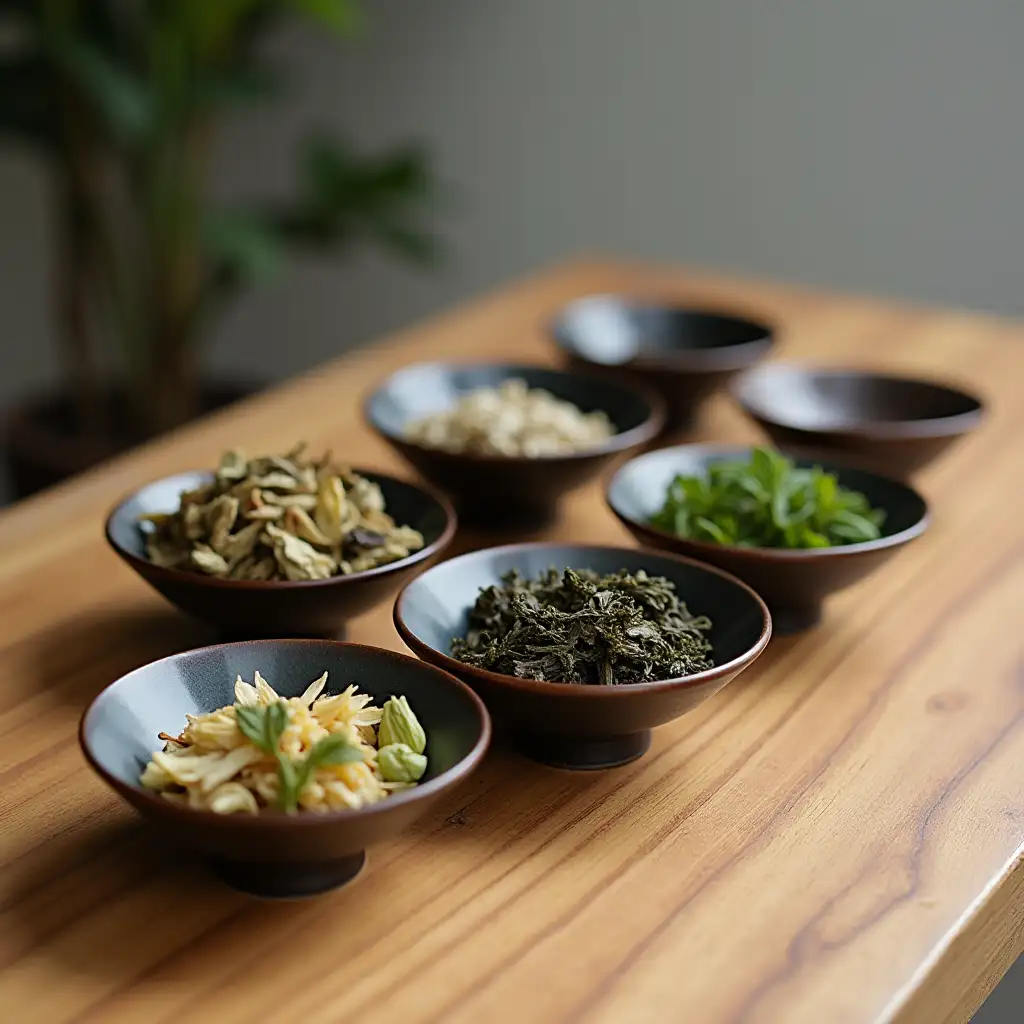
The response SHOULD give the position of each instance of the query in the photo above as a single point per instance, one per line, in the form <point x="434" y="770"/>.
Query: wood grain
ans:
<point x="836" y="837"/>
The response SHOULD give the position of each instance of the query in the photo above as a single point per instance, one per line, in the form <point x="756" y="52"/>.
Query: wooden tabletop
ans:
<point x="837" y="836"/>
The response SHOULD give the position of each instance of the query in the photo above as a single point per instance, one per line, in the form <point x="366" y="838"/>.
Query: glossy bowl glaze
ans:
<point x="895" y="425"/>
<point x="502" y="491"/>
<point x="681" y="353"/>
<point x="244" y="609"/>
<point x="276" y="854"/>
<point x="579" y="726"/>
<point x="793" y="583"/>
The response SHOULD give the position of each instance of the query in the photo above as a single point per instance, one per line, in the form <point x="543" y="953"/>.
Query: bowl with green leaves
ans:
<point x="797" y="529"/>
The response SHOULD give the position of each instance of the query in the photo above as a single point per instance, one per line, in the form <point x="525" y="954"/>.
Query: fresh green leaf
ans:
<point x="767" y="501"/>
<point x="117" y="95"/>
<point x="243" y="245"/>
<point x="263" y="726"/>
<point x="340" y="16"/>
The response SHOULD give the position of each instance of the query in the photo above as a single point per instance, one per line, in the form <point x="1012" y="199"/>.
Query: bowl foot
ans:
<point x="786" y="621"/>
<point x="288" y="881"/>
<point x="584" y="753"/>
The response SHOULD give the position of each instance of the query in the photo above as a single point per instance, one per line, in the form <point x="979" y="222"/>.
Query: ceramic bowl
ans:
<point x="895" y="425"/>
<point x="682" y="354"/>
<point x="243" y="609"/>
<point x="793" y="583"/>
<point x="276" y="854"/>
<point x="501" y="491"/>
<point x="581" y="726"/>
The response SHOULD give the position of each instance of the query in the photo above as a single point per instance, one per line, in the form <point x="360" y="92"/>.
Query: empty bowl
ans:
<point x="896" y="425"/>
<point x="683" y="354"/>
<point x="255" y="608"/>
<point x="794" y="583"/>
<point x="273" y="853"/>
<point x="571" y="725"/>
<point x="508" y="491"/>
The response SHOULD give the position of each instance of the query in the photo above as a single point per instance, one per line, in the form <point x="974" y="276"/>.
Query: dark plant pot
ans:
<point x="44" y="446"/>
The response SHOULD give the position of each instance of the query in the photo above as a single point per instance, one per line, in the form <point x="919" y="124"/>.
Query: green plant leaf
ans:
<point x="118" y="96"/>
<point x="242" y="245"/>
<point x="340" y="16"/>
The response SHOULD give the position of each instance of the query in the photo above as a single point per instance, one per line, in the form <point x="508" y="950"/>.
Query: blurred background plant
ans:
<point x="123" y="99"/>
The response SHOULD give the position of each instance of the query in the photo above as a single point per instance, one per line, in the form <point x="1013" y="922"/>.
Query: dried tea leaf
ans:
<point x="278" y="518"/>
<point x="297" y="559"/>
<point x="366" y="538"/>
<point x="209" y="561"/>
<point x="579" y="627"/>
<point x="306" y="501"/>
<point x="223" y="512"/>
<point x="233" y="466"/>
<point x="242" y="544"/>
<point x="331" y="507"/>
<point x="275" y="480"/>
<point x="297" y="521"/>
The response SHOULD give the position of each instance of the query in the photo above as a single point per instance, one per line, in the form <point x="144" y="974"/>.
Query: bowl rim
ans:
<point x="453" y="666"/>
<point x="145" y="567"/>
<point x="734" y="356"/>
<point x="699" y="547"/>
<point x="625" y="440"/>
<point x="274" y="819"/>
<point x="876" y="429"/>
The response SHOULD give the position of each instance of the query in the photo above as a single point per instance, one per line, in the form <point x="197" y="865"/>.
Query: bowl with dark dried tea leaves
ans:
<point x="507" y="442"/>
<point x="279" y="545"/>
<point x="580" y="651"/>
<point x="795" y="529"/>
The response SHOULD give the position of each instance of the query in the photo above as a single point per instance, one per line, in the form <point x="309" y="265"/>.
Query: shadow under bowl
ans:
<point x="507" y="492"/>
<point x="895" y="425"/>
<point x="682" y="354"/>
<point x="275" y="854"/>
<point x="244" y="609"/>
<point x="582" y="726"/>
<point x="793" y="583"/>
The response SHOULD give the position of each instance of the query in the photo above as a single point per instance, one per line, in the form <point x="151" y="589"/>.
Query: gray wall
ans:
<point x="875" y="145"/>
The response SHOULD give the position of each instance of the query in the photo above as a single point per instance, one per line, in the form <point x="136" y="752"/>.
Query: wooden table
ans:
<point x="836" y="837"/>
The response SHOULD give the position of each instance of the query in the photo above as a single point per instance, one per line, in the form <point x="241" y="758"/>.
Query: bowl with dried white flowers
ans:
<point x="281" y="761"/>
<point x="279" y="545"/>
<point x="506" y="442"/>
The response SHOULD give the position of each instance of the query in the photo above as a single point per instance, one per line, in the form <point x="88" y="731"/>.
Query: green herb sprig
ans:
<point x="767" y="502"/>
<point x="264" y="726"/>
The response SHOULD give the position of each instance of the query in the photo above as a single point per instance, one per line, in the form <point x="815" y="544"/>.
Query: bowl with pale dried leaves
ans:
<point x="579" y="651"/>
<point x="506" y="442"/>
<point x="279" y="545"/>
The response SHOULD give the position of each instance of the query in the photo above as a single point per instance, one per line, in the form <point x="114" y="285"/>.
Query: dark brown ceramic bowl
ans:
<point x="276" y="854"/>
<point x="578" y="726"/>
<point x="895" y="425"/>
<point x="793" y="583"/>
<point x="498" y="491"/>
<point x="683" y="354"/>
<point x="243" y="609"/>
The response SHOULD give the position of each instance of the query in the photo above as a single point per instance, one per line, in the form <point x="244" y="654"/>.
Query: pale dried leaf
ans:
<point x="242" y="544"/>
<point x="297" y="521"/>
<point x="208" y="560"/>
<point x="233" y="466"/>
<point x="223" y="512"/>
<point x="297" y="559"/>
